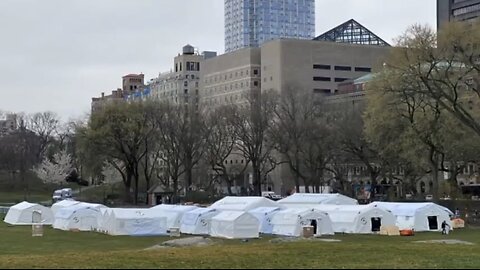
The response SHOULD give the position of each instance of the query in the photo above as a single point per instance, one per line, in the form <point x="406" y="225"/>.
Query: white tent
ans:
<point x="290" y="222"/>
<point x="242" y="203"/>
<point x="357" y="219"/>
<point x="173" y="213"/>
<point x="26" y="213"/>
<point x="313" y="198"/>
<point x="234" y="225"/>
<point x="134" y="222"/>
<point x="197" y="221"/>
<point x="102" y="222"/>
<point x="62" y="204"/>
<point x="78" y="217"/>
<point x="418" y="216"/>
<point x="264" y="216"/>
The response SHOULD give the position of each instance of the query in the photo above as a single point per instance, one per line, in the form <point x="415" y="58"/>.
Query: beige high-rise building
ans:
<point x="182" y="83"/>
<point x="316" y="66"/>
<point x="229" y="78"/>
<point x="306" y="65"/>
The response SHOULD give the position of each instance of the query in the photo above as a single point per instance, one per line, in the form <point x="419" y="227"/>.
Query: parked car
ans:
<point x="271" y="195"/>
<point x="62" y="194"/>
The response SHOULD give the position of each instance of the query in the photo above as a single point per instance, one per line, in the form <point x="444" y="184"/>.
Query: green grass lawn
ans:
<point x="57" y="249"/>
<point x="16" y="197"/>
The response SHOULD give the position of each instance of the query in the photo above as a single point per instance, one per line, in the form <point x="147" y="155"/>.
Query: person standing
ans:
<point x="445" y="227"/>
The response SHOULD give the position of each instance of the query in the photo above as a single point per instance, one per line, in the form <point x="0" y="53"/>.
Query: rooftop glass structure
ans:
<point x="352" y="32"/>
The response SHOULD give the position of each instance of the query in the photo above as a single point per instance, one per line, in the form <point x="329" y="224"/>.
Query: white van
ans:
<point x="62" y="194"/>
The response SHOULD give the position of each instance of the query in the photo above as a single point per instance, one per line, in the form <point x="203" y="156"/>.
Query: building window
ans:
<point x="325" y="67"/>
<point x="255" y="83"/>
<point x="343" y="68"/>
<point x="363" y="69"/>
<point x="340" y="79"/>
<point x="322" y="79"/>
<point x="322" y="91"/>
<point x="255" y="72"/>
<point x="185" y="83"/>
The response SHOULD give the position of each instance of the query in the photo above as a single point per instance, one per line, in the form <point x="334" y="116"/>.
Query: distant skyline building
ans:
<point x="457" y="10"/>
<point x="250" y="23"/>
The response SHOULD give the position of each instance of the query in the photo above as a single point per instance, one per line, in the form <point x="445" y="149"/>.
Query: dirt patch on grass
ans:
<point x="185" y="242"/>
<point x="446" y="241"/>
<point x="299" y="239"/>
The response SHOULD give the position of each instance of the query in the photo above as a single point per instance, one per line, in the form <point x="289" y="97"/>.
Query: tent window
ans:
<point x="432" y="223"/>
<point x="376" y="224"/>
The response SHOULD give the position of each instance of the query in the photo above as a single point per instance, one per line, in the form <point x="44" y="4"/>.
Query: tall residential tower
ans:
<point x="457" y="10"/>
<point x="250" y="23"/>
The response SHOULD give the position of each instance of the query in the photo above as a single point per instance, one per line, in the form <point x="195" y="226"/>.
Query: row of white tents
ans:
<point x="238" y="217"/>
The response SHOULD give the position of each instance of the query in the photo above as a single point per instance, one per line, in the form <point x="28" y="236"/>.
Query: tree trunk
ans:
<point x="257" y="183"/>
<point x="175" y="191"/>
<point x="373" y="177"/>
<point x="188" y="174"/>
<point x="229" y="187"/>
<point x="307" y="187"/>
<point x="297" y="178"/>
<point x="434" y="168"/>
<point x="128" y="185"/>
<point x="136" y="176"/>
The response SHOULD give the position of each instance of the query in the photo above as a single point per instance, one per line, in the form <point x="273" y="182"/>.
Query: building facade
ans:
<point x="250" y="23"/>
<point x="182" y="83"/>
<point x="104" y="100"/>
<point x="132" y="84"/>
<point x="457" y="10"/>
<point x="9" y="124"/>
<point x="316" y="66"/>
<point x="230" y="78"/>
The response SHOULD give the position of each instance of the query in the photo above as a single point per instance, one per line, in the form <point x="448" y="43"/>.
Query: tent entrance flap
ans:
<point x="376" y="224"/>
<point x="314" y="224"/>
<point x="433" y="222"/>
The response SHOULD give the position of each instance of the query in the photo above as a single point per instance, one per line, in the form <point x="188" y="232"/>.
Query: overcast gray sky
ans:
<point x="57" y="54"/>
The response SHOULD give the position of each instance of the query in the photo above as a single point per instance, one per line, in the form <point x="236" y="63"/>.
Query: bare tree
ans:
<point x="44" y="125"/>
<point x="303" y="137"/>
<point x="220" y="144"/>
<point x="251" y="124"/>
